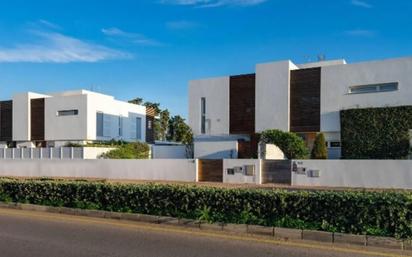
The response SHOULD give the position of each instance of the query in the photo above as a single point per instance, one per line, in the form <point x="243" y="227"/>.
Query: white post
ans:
<point x="41" y="153"/>
<point x="197" y="169"/>
<point x="12" y="153"/>
<point x="61" y="152"/>
<point x="71" y="153"/>
<point x="31" y="152"/>
<point x="51" y="152"/>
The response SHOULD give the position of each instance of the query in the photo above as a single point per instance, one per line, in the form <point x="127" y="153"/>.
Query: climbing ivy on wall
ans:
<point x="376" y="133"/>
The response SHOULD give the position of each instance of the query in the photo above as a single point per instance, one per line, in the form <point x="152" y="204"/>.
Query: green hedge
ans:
<point x="376" y="133"/>
<point x="290" y="143"/>
<point x="376" y="213"/>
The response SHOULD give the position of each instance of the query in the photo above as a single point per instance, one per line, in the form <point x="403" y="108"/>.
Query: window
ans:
<point x="203" y="115"/>
<point x="335" y="144"/>
<point x="374" y="88"/>
<point x="67" y="112"/>
<point x="138" y="128"/>
<point x="120" y="126"/>
<point x="99" y="124"/>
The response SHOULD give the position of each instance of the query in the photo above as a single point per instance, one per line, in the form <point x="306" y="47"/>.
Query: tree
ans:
<point x="179" y="131"/>
<point x="319" y="150"/>
<point x="163" y="125"/>
<point x="290" y="143"/>
<point x="136" y="100"/>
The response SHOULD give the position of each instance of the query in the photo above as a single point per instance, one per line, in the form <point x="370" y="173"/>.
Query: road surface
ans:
<point x="36" y="234"/>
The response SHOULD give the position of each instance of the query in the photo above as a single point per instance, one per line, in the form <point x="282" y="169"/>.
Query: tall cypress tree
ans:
<point x="319" y="150"/>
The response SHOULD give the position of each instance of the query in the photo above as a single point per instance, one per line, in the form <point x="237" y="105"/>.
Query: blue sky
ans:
<point x="151" y="49"/>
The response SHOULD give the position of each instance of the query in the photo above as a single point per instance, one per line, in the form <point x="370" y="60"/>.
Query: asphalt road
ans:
<point x="34" y="234"/>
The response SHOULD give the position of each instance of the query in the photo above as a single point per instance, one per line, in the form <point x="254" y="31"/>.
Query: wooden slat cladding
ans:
<point x="37" y="119"/>
<point x="305" y="100"/>
<point x="277" y="171"/>
<point x="6" y="121"/>
<point x="150" y="118"/>
<point x="242" y="104"/>
<point x="248" y="149"/>
<point x="211" y="170"/>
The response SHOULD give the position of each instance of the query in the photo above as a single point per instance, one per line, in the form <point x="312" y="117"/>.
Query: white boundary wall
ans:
<point x="161" y="169"/>
<point x="169" y="152"/>
<point x="355" y="173"/>
<point x="240" y="177"/>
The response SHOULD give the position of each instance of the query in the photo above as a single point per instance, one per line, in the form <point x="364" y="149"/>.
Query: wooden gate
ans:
<point x="210" y="170"/>
<point x="277" y="171"/>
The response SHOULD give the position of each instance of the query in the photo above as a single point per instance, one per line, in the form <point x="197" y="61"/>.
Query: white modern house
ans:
<point x="225" y="113"/>
<point x="33" y="120"/>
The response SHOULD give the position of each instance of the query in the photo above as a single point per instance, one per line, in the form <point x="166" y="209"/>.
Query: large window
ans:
<point x="138" y="128"/>
<point x="99" y="124"/>
<point x="67" y="112"/>
<point x="203" y="115"/>
<point x="373" y="88"/>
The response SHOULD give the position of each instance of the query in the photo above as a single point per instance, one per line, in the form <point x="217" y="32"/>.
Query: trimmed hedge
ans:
<point x="290" y="143"/>
<point x="376" y="213"/>
<point x="376" y="133"/>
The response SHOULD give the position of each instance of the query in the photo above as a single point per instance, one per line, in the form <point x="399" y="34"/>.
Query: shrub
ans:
<point x="359" y="212"/>
<point x="376" y="133"/>
<point x="136" y="150"/>
<point x="291" y="144"/>
<point x="319" y="150"/>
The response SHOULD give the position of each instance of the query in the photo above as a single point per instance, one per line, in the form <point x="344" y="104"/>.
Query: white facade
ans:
<point x="336" y="80"/>
<point x="272" y="95"/>
<point x="216" y="93"/>
<point x="78" y="116"/>
<point x="338" y="83"/>
<point x="22" y="117"/>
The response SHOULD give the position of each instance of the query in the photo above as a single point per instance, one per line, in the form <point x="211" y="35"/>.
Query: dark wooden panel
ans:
<point x="248" y="149"/>
<point x="305" y="100"/>
<point x="6" y="121"/>
<point x="277" y="171"/>
<point x="242" y="104"/>
<point x="211" y="170"/>
<point x="150" y="119"/>
<point x="37" y="119"/>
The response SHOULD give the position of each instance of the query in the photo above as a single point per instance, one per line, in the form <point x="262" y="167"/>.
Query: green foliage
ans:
<point x="290" y="143"/>
<point x="319" y="150"/>
<point x="136" y="100"/>
<point x="359" y="212"/>
<point x="163" y="125"/>
<point x="376" y="133"/>
<point x="179" y="131"/>
<point x="136" y="150"/>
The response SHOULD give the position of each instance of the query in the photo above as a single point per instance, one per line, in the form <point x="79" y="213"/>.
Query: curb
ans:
<point x="243" y="229"/>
